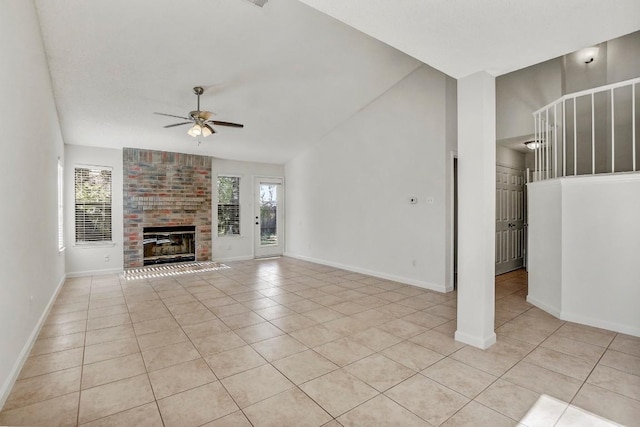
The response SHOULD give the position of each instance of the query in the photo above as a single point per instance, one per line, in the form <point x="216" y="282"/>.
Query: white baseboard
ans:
<point x="26" y="349"/>
<point x="585" y="320"/>
<point x="600" y="323"/>
<point x="479" y="342"/>
<point x="95" y="272"/>
<point x="554" y="311"/>
<point x="405" y="280"/>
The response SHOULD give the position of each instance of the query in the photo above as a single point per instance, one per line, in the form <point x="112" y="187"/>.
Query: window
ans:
<point x="60" y="206"/>
<point x="228" y="205"/>
<point x="93" y="204"/>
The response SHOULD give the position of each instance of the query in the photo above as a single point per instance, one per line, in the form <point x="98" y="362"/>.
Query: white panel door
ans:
<point x="509" y="219"/>
<point x="269" y="224"/>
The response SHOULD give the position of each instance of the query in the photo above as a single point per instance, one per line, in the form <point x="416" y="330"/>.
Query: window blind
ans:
<point x="93" y="204"/>
<point x="228" y="205"/>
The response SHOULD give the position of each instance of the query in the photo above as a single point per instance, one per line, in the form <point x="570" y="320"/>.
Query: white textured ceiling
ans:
<point x="461" y="37"/>
<point x="289" y="72"/>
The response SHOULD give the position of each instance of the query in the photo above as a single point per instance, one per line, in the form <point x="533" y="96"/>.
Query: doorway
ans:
<point x="269" y="231"/>
<point x="455" y="223"/>
<point x="509" y="219"/>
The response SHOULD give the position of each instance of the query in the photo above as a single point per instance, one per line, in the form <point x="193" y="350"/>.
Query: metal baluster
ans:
<point x="555" y="140"/>
<point x="564" y="138"/>
<point x="593" y="135"/>
<point x="633" y="124"/>
<point x="535" y="152"/>
<point x="575" y="139"/>
<point x="546" y="140"/>
<point x="613" y="135"/>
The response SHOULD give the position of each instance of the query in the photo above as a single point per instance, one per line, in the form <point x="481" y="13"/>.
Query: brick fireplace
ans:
<point x="163" y="189"/>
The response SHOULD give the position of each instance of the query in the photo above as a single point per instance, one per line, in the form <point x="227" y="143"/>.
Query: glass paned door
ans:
<point x="268" y="214"/>
<point x="269" y="232"/>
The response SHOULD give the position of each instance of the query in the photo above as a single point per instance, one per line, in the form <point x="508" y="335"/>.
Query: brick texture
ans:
<point x="163" y="189"/>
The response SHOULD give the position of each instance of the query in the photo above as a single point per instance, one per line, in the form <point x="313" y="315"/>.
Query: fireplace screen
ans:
<point x="169" y="244"/>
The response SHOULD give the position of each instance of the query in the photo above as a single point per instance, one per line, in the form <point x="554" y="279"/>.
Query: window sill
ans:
<point x="233" y="236"/>
<point x="95" y="245"/>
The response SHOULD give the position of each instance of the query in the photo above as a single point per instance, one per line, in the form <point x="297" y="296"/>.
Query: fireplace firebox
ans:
<point x="169" y="244"/>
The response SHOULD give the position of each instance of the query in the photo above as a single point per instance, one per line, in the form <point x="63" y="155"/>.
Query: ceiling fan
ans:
<point x="201" y="120"/>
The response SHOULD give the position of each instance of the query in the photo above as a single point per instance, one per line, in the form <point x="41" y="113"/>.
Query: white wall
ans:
<point x="347" y="198"/>
<point x="623" y="58"/>
<point x="229" y="248"/>
<point x="31" y="267"/>
<point x="508" y="157"/>
<point x="544" y="251"/>
<point x="93" y="259"/>
<point x="585" y="230"/>
<point x="520" y="93"/>
<point x="601" y="248"/>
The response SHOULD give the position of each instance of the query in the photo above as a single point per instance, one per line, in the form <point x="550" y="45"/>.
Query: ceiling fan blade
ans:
<point x="171" y="115"/>
<point x="233" y="125"/>
<point x="177" y="124"/>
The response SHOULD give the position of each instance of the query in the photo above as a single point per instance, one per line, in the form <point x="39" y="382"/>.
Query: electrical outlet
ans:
<point x="106" y="258"/>
<point x="430" y="200"/>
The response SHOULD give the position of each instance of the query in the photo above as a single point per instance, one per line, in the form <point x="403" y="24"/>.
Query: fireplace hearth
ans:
<point x="169" y="244"/>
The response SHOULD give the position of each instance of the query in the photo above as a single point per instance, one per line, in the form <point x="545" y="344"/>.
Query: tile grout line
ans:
<point x="84" y="352"/>
<point x="570" y="403"/>
<point x="155" y="400"/>
<point x="290" y="289"/>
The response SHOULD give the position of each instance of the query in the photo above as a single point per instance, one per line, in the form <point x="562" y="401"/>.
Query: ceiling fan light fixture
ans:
<point x="207" y="130"/>
<point x="533" y="144"/>
<point x="195" y="131"/>
<point x="201" y="122"/>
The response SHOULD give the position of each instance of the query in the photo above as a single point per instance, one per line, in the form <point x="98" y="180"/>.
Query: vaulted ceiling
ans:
<point x="290" y="72"/>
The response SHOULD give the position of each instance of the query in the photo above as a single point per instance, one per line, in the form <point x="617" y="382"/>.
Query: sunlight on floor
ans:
<point x="548" y="411"/>
<point x="167" y="270"/>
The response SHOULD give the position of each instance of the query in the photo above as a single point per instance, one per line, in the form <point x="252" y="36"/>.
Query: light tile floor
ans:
<point x="289" y="343"/>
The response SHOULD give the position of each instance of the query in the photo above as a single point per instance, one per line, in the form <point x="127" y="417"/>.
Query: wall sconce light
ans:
<point x="589" y="54"/>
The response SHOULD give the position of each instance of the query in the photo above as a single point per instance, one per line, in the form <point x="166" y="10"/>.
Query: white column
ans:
<point x="476" y="209"/>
